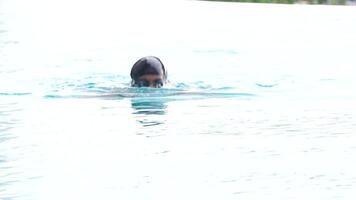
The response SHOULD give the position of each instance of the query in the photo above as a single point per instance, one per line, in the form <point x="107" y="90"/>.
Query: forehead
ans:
<point x="150" y="77"/>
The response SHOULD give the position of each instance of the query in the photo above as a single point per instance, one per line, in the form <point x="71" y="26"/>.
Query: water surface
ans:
<point x="261" y="102"/>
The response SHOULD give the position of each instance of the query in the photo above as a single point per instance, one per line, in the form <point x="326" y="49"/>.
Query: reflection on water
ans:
<point x="147" y="111"/>
<point x="148" y="107"/>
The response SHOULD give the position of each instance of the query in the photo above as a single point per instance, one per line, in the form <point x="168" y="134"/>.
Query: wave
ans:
<point x="15" y="93"/>
<point x="151" y="93"/>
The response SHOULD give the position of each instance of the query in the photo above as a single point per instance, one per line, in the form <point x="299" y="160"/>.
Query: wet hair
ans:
<point x="148" y="65"/>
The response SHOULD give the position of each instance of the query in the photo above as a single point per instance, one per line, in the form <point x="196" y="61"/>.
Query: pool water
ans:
<point x="261" y="103"/>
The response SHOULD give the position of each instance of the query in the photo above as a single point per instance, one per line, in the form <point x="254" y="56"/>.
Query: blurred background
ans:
<point x="325" y="2"/>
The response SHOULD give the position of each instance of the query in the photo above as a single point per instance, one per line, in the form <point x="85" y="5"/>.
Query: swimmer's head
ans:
<point x="148" y="72"/>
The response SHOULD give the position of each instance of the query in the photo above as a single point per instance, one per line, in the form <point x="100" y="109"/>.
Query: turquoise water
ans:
<point x="261" y="103"/>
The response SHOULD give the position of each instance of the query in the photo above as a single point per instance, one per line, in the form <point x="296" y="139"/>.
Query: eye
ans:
<point x="143" y="84"/>
<point x="158" y="83"/>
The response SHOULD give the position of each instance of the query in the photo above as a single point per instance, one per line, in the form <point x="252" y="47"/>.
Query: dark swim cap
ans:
<point x="148" y="65"/>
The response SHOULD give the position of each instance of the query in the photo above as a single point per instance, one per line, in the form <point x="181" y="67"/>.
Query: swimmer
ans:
<point x="148" y="72"/>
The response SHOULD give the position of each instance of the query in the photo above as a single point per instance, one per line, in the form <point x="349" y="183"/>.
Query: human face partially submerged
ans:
<point x="150" y="80"/>
<point x="148" y="71"/>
